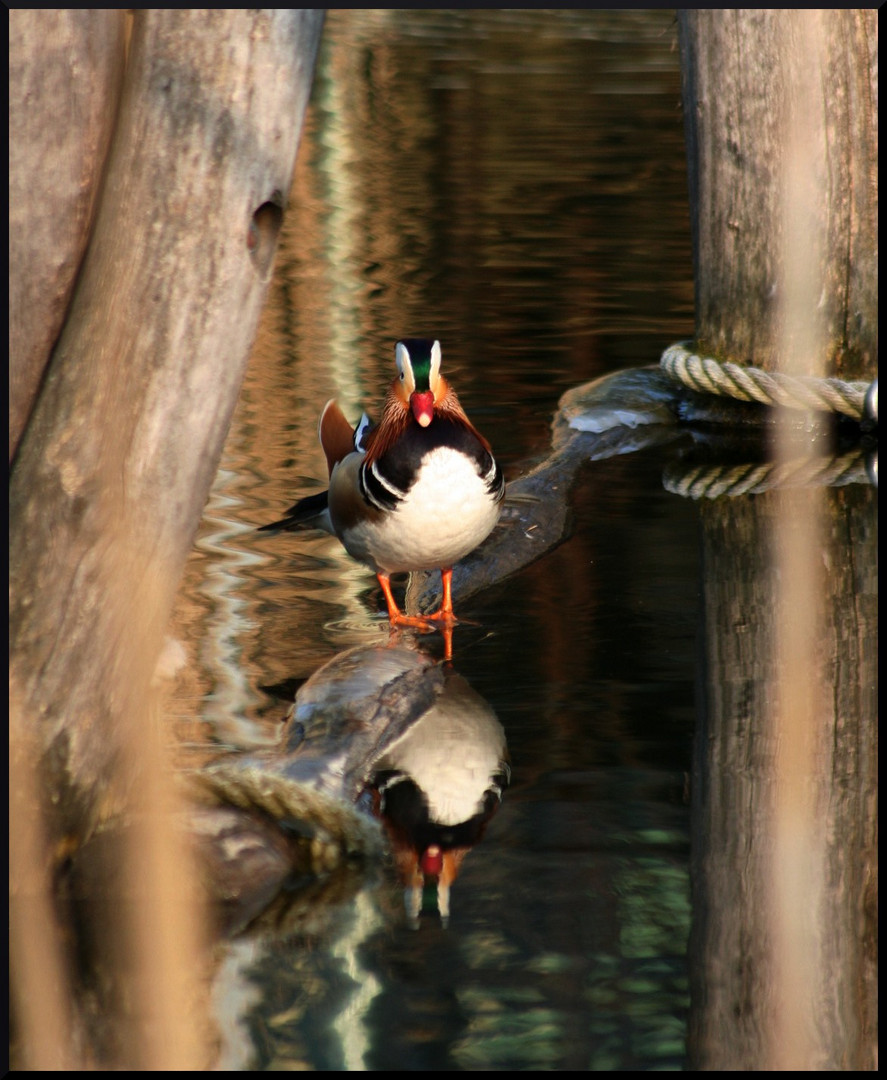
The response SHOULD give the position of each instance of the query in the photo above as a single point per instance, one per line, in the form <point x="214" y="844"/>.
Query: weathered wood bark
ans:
<point x="65" y="74"/>
<point x="110" y="479"/>
<point x="748" y="78"/>
<point x="113" y="471"/>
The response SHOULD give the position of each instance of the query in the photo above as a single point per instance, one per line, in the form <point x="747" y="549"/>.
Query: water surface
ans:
<point x="512" y="183"/>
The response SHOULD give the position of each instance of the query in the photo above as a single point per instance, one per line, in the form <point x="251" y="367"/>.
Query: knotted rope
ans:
<point x="858" y="400"/>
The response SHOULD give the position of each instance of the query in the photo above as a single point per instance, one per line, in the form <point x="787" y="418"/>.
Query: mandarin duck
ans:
<point x="419" y="491"/>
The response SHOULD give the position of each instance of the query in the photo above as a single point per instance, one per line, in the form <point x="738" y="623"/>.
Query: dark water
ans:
<point x="514" y="184"/>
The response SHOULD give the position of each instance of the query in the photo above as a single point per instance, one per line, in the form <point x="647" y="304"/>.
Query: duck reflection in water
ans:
<point x="436" y="788"/>
<point x="378" y="731"/>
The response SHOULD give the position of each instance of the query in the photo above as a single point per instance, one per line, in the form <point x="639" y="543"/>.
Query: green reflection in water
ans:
<point x="508" y="1029"/>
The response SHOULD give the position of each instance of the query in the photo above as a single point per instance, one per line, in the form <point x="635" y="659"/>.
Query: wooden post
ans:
<point x="746" y="75"/>
<point x="736" y="772"/>
<point x="781" y="116"/>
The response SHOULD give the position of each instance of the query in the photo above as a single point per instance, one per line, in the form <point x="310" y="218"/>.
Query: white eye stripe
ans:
<point x="435" y="364"/>
<point x="404" y="362"/>
<point x="404" y="366"/>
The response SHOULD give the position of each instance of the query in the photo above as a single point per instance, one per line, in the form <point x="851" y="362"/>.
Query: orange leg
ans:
<point x="423" y="622"/>
<point x="394" y="612"/>
<point x="445" y="612"/>
<point x="395" y="616"/>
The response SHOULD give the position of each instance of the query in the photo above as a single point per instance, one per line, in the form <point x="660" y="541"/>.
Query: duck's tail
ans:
<point x="312" y="512"/>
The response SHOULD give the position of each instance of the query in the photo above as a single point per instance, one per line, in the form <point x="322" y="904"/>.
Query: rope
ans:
<point x="709" y="376"/>
<point x="710" y="482"/>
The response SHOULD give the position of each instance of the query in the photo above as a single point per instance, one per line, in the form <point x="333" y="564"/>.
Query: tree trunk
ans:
<point x="65" y="75"/>
<point x="117" y="459"/>
<point x="114" y="466"/>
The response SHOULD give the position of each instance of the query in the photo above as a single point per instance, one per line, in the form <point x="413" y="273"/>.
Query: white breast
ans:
<point x="446" y="513"/>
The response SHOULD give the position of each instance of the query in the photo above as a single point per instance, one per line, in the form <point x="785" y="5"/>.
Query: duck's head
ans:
<point x="419" y="381"/>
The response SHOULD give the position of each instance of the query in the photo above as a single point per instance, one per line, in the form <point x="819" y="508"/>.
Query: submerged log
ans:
<point x="290" y="815"/>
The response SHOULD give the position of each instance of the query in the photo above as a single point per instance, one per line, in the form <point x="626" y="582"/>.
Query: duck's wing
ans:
<point x="337" y="437"/>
